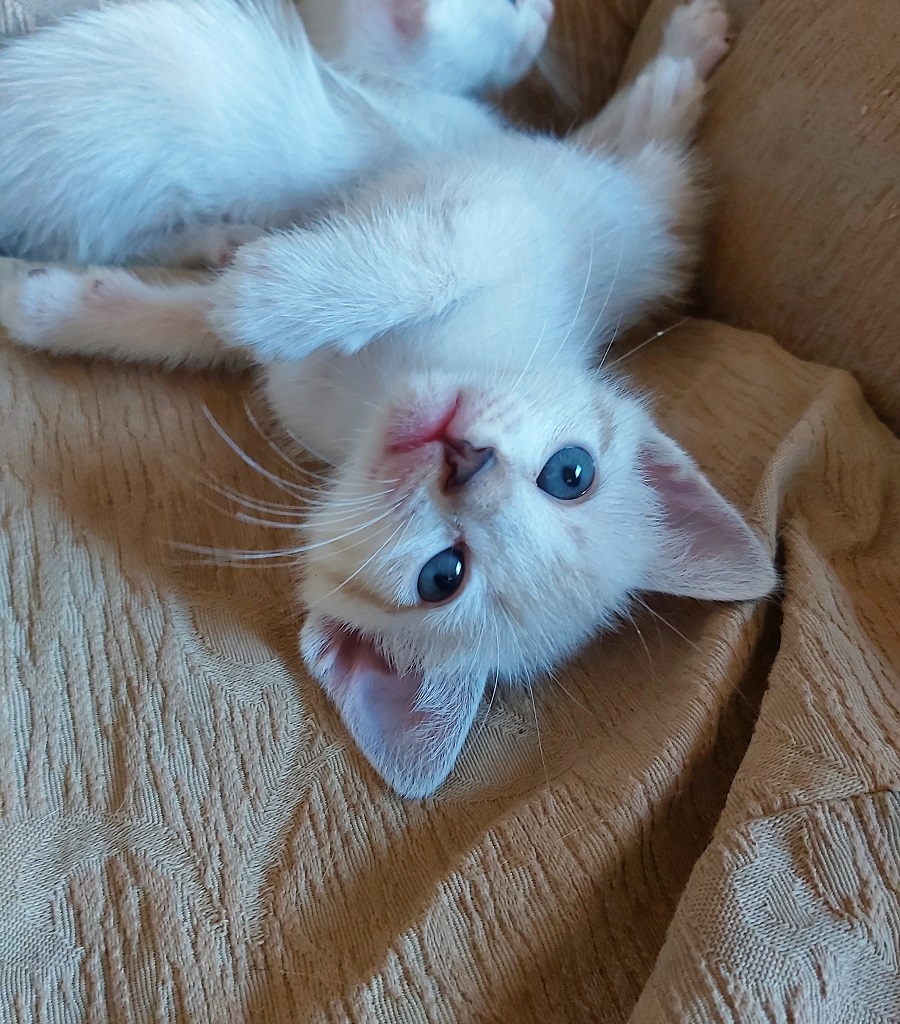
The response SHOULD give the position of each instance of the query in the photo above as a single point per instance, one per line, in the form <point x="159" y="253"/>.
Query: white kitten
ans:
<point x="496" y="500"/>
<point x="133" y="131"/>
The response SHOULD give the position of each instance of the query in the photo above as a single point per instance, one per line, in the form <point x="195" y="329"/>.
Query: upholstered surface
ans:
<point x="802" y="143"/>
<point x="698" y="821"/>
<point x="187" y="832"/>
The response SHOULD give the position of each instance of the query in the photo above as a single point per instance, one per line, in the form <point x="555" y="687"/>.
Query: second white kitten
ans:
<point x="132" y="132"/>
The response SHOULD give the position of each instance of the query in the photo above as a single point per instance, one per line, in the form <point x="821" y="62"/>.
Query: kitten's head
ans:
<point x="488" y="531"/>
<point x="454" y="46"/>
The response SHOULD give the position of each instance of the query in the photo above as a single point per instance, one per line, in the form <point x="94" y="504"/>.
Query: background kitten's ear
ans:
<point x="408" y="17"/>
<point x="707" y="549"/>
<point x="411" y="738"/>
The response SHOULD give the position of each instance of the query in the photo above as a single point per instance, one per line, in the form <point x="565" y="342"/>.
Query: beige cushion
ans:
<point x="804" y="141"/>
<point x="803" y="146"/>
<point x="803" y="138"/>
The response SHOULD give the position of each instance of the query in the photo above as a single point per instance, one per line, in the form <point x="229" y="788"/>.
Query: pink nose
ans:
<point x="463" y="460"/>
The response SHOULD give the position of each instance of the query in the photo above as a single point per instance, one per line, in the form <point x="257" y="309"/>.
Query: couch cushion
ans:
<point x="803" y="139"/>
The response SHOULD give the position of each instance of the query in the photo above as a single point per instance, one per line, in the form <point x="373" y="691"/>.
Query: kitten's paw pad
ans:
<point x="698" y="31"/>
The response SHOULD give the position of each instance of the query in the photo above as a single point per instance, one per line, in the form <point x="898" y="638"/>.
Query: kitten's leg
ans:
<point x="664" y="103"/>
<point x="355" y="276"/>
<point x="112" y="313"/>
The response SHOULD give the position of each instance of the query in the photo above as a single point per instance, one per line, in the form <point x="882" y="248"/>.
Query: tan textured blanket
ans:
<point x="188" y="834"/>
<point x="699" y="823"/>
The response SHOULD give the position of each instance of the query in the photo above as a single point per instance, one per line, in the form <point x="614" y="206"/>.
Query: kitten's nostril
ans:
<point x="463" y="461"/>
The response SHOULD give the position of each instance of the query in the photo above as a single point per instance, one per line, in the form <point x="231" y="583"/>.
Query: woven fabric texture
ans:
<point x="698" y="822"/>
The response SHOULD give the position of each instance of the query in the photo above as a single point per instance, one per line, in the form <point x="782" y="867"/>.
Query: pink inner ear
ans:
<point x="707" y="549"/>
<point x="412" y="747"/>
<point x="388" y="694"/>
<point x="408" y="18"/>
<point x="693" y="509"/>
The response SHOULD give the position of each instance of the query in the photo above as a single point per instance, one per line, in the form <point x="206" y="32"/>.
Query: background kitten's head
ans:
<point x="487" y="530"/>
<point x="455" y="46"/>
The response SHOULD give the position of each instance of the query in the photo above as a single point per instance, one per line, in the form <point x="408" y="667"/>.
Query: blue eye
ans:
<point x="567" y="474"/>
<point x="442" y="575"/>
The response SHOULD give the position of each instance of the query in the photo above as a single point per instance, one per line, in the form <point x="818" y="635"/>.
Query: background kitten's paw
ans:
<point x="33" y="306"/>
<point x="698" y="32"/>
<point x="42" y="308"/>
<point x="664" y="103"/>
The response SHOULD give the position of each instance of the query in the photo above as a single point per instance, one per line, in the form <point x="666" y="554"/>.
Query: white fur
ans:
<point x="470" y="290"/>
<point x="454" y="46"/>
<point x="130" y="132"/>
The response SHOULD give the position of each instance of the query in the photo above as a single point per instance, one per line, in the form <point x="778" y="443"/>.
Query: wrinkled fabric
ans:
<point x="188" y="832"/>
<point x="697" y="821"/>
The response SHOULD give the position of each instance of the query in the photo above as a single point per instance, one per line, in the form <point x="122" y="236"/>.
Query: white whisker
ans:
<point x="279" y="482"/>
<point x="404" y="526"/>
<point x="653" y="337"/>
<point x="666" y="622"/>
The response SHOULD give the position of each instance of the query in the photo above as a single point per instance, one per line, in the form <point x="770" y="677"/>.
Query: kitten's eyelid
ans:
<point x="560" y="444"/>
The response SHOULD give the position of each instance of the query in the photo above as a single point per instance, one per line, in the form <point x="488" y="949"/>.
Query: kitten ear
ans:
<point x="411" y="734"/>
<point x="707" y="549"/>
<point x="408" y="18"/>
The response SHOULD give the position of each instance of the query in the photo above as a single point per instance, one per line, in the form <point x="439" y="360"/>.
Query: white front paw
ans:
<point x="36" y="304"/>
